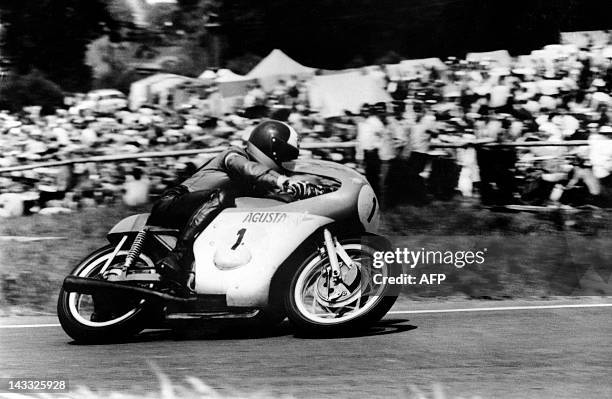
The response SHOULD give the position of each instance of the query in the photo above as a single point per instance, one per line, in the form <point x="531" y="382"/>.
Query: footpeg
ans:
<point x="115" y="275"/>
<point x="147" y="275"/>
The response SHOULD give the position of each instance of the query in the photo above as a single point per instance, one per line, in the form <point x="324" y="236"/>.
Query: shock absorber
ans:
<point x="135" y="249"/>
<point x="117" y="273"/>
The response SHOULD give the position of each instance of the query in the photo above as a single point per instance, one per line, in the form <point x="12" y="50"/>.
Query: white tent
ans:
<point x="162" y="90"/>
<point x="563" y="50"/>
<point x="231" y="84"/>
<point x="338" y="71"/>
<point x="586" y="38"/>
<point x="423" y="63"/>
<point x="501" y="57"/>
<point x="278" y="65"/>
<point x="395" y="72"/>
<point x="331" y="95"/>
<point x="207" y="75"/>
<point x="140" y="92"/>
<point x="607" y="52"/>
<point x="409" y="68"/>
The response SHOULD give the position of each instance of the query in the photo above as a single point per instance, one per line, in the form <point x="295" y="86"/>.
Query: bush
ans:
<point x="31" y="89"/>
<point x="391" y="57"/>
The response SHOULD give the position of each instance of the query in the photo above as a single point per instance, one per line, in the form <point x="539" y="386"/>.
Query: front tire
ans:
<point x="76" y="311"/>
<point x="366" y="303"/>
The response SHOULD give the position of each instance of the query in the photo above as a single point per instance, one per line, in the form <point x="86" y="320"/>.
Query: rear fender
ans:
<point x="131" y="224"/>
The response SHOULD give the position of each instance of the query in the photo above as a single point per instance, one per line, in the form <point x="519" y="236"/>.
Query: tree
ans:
<point x="30" y="89"/>
<point x="391" y="57"/>
<point x="330" y="33"/>
<point x="120" y="78"/>
<point x="158" y="15"/>
<point x="52" y="36"/>
<point x="194" y="17"/>
<point x="197" y="20"/>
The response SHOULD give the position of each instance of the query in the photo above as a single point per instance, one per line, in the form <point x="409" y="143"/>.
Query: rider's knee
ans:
<point x="224" y="198"/>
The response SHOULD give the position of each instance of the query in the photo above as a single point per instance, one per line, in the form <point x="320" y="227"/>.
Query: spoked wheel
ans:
<point x="316" y="302"/>
<point x="101" y="318"/>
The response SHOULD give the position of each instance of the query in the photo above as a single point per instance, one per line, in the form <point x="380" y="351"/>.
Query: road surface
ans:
<point x="549" y="351"/>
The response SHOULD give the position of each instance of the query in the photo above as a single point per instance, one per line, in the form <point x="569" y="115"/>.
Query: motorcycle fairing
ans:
<point x="353" y="200"/>
<point x="239" y="252"/>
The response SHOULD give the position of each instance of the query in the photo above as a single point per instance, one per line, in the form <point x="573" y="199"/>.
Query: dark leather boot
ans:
<point x="178" y="265"/>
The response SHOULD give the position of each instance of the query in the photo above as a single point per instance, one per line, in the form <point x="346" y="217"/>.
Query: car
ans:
<point x="104" y="101"/>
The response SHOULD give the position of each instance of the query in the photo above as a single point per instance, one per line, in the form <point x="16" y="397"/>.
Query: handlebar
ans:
<point x="310" y="190"/>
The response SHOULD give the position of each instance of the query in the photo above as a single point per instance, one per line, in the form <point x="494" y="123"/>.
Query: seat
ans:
<point x="163" y="230"/>
<point x="256" y="203"/>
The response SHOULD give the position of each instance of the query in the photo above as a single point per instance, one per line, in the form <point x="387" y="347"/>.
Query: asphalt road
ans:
<point x="518" y="353"/>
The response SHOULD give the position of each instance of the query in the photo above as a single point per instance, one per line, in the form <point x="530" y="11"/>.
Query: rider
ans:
<point x="235" y="172"/>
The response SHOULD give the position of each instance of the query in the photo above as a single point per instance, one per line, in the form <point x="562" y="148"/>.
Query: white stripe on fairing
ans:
<point x="594" y="305"/>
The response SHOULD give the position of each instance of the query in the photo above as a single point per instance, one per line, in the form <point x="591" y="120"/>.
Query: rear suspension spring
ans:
<point x="135" y="249"/>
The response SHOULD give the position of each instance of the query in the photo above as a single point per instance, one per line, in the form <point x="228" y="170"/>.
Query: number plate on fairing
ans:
<point x="240" y="251"/>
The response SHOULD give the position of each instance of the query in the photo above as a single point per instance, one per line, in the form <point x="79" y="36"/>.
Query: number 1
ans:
<point x="240" y="237"/>
<point x="373" y="209"/>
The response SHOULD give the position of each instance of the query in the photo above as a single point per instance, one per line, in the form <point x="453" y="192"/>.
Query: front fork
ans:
<point x="336" y="284"/>
<point x="335" y="250"/>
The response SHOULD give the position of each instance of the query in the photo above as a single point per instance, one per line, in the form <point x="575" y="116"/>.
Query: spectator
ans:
<point x="136" y="189"/>
<point x="419" y="142"/>
<point x="393" y="138"/>
<point x="551" y="103"/>
<point x="600" y="155"/>
<point x="369" y="141"/>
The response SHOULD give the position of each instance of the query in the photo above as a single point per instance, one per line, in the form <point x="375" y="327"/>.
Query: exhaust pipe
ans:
<point x="84" y="285"/>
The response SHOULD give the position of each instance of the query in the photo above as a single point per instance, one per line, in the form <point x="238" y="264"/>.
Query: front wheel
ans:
<point x="100" y="319"/>
<point x="316" y="305"/>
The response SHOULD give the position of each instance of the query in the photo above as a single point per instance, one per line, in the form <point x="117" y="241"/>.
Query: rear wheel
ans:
<point x="109" y="318"/>
<point x="316" y="305"/>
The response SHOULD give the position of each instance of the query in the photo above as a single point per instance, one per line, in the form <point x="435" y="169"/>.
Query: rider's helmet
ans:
<point x="272" y="143"/>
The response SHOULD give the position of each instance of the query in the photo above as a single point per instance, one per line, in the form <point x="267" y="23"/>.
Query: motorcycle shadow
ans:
<point x="383" y="327"/>
<point x="218" y="331"/>
<point x="239" y="331"/>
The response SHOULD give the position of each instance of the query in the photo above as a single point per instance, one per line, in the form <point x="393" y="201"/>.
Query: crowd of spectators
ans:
<point x="564" y="99"/>
<point x="435" y="140"/>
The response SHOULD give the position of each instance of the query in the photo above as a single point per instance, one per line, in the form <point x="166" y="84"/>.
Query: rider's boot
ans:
<point x="177" y="266"/>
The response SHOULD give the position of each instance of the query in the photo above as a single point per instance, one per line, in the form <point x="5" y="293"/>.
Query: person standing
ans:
<point x="419" y="141"/>
<point x="393" y="142"/>
<point x="369" y="141"/>
<point x="600" y="155"/>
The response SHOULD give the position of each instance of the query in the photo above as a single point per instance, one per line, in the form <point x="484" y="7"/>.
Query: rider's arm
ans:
<point x="253" y="172"/>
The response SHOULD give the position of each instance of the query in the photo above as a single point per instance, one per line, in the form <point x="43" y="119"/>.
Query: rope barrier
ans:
<point x="306" y="146"/>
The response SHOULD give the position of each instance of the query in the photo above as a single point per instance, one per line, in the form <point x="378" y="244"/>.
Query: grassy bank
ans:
<point x="527" y="254"/>
<point x="31" y="271"/>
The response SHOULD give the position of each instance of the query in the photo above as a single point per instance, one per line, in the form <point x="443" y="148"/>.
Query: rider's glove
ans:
<point x="301" y="189"/>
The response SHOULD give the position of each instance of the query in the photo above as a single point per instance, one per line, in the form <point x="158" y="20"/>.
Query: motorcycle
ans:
<point x="310" y="260"/>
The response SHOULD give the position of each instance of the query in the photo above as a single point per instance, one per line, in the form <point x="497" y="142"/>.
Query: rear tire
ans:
<point x="83" y="329"/>
<point x="374" y="309"/>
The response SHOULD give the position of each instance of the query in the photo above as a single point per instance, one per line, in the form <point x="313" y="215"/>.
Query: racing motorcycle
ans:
<point x="310" y="260"/>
